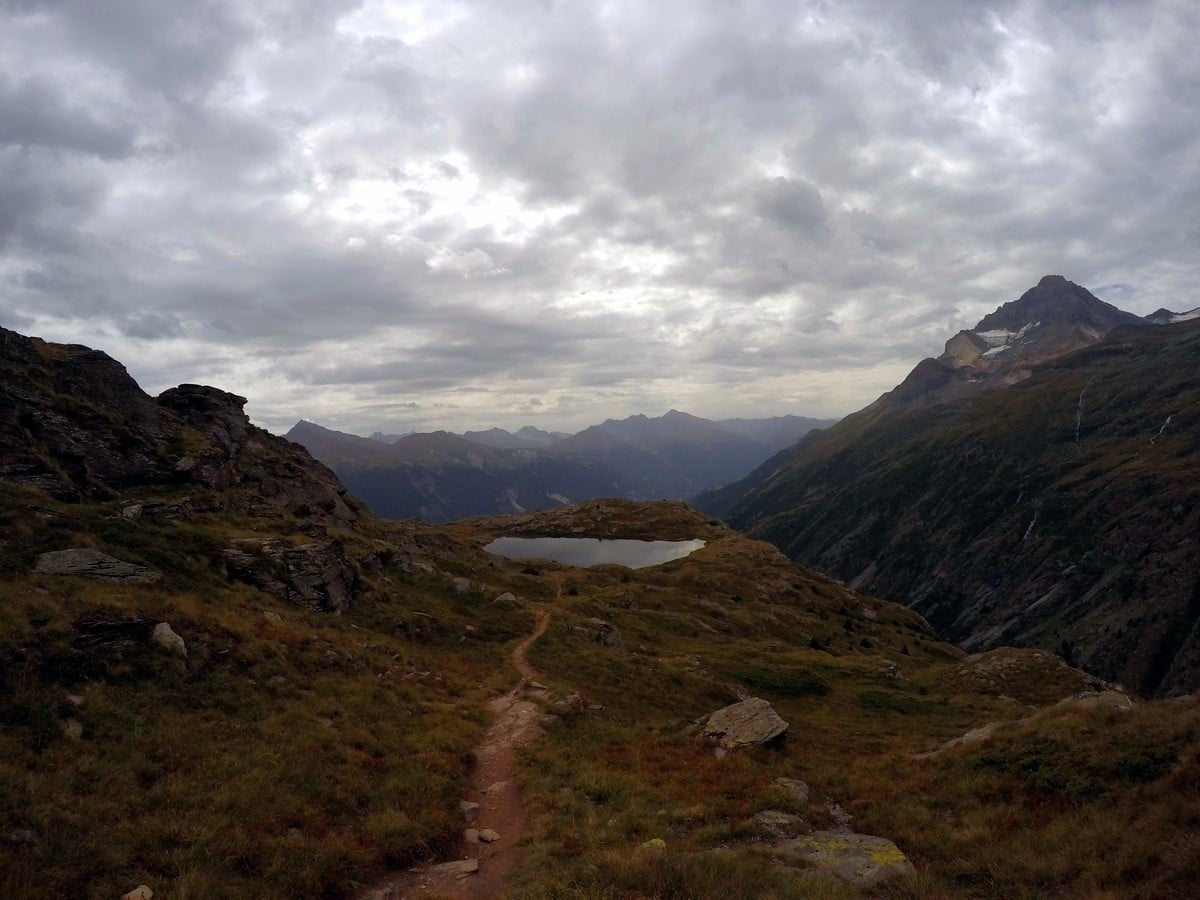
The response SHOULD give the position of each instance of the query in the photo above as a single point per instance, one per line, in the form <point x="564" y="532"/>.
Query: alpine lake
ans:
<point x="585" y="552"/>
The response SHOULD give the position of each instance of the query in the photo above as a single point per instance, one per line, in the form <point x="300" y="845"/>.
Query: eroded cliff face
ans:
<point x="74" y="424"/>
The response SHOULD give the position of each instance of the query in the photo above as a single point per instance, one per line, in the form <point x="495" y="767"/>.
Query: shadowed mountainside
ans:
<point x="1060" y="512"/>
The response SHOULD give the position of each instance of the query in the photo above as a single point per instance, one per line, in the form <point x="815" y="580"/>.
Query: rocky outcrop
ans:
<point x="318" y="575"/>
<point x="87" y="563"/>
<point x="750" y="723"/>
<point x="271" y="475"/>
<point x="601" y="632"/>
<point x="75" y="424"/>
<point x="72" y="421"/>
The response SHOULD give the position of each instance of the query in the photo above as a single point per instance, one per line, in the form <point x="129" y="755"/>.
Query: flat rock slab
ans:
<point x="460" y="868"/>
<point x="88" y="563"/>
<point x="974" y="736"/>
<point x="776" y="822"/>
<point x="746" y="724"/>
<point x="1114" y="699"/>
<point x="862" y="860"/>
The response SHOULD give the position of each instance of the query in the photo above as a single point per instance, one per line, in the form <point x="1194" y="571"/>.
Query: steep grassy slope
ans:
<point x="1062" y="512"/>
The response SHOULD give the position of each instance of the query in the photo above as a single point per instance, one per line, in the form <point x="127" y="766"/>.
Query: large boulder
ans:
<point x="750" y="723"/>
<point x="87" y="563"/>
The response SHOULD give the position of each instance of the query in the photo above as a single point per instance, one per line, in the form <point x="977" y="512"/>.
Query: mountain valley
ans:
<point x="221" y="675"/>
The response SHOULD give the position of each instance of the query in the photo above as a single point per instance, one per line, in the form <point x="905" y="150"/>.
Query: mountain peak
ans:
<point x="1052" y="301"/>
<point x="1054" y="317"/>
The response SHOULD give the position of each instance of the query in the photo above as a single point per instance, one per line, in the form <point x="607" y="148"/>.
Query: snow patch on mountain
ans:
<point x="1001" y="339"/>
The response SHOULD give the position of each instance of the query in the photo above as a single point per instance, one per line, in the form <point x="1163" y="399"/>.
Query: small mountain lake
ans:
<point x="594" y="551"/>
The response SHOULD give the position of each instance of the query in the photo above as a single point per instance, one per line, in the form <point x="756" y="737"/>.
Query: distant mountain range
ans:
<point x="441" y="476"/>
<point x="1035" y="484"/>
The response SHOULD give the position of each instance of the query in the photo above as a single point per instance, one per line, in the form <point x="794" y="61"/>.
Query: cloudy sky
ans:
<point x="380" y="214"/>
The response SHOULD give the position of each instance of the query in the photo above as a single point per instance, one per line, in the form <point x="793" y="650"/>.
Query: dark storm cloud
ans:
<point x="342" y="208"/>
<point x="35" y="113"/>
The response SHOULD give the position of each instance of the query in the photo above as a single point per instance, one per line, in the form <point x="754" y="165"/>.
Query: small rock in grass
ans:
<point x="793" y="789"/>
<point x="471" y="835"/>
<point x="655" y="845"/>
<point x="141" y="892"/>
<point x="488" y="836"/>
<point x="164" y="636"/>
<point x="470" y="810"/>
<point x="775" y="821"/>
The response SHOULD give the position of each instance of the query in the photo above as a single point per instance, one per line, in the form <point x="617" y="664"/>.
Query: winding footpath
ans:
<point x="483" y="867"/>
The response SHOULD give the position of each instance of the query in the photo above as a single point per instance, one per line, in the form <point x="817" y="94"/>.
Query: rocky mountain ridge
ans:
<point x="74" y="424"/>
<point x="441" y="476"/>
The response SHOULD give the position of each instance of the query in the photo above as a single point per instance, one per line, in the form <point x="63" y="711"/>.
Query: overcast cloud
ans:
<point x="463" y="214"/>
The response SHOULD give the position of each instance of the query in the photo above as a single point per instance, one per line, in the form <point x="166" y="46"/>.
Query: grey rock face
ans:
<point x="88" y="563"/>
<point x="604" y="633"/>
<point x="318" y="575"/>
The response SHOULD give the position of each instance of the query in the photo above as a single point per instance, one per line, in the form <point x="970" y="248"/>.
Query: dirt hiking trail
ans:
<point x="481" y="868"/>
